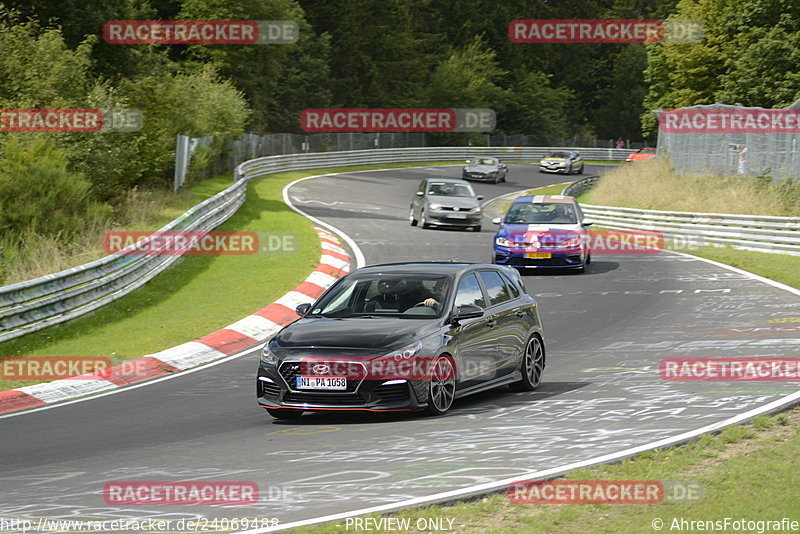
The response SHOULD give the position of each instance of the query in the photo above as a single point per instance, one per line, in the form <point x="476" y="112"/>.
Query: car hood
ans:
<point x="482" y="168"/>
<point x="379" y="334"/>
<point x="553" y="160"/>
<point x="507" y="230"/>
<point x="454" y="202"/>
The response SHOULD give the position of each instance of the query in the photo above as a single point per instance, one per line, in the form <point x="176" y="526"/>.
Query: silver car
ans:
<point x="446" y="202"/>
<point x="485" y="170"/>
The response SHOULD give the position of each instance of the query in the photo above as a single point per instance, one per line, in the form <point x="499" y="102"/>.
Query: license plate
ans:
<point x="458" y="215"/>
<point x="537" y="255"/>
<point x="336" y="383"/>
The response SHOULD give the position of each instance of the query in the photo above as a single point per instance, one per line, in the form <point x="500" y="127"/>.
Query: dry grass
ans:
<point x="39" y="255"/>
<point x="654" y="185"/>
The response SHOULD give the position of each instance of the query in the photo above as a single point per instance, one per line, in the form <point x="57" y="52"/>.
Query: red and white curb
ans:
<point x="243" y="334"/>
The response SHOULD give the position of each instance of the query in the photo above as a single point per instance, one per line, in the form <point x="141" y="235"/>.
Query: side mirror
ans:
<point x="588" y="222"/>
<point x="420" y="194"/>
<point x="302" y="309"/>
<point x="497" y="220"/>
<point x="479" y="197"/>
<point x="467" y="311"/>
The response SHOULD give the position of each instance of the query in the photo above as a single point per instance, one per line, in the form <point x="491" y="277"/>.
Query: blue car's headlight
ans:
<point x="502" y="241"/>
<point x="267" y="356"/>
<point x="570" y="243"/>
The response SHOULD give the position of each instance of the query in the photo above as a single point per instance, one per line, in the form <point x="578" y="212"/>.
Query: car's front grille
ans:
<point x="327" y="399"/>
<point x="391" y="393"/>
<point x="461" y="210"/>
<point x="543" y="262"/>
<point x="290" y="370"/>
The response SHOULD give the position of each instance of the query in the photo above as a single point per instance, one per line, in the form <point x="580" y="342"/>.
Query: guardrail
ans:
<point x="36" y="304"/>
<point x="269" y="164"/>
<point x="763" y="233"/>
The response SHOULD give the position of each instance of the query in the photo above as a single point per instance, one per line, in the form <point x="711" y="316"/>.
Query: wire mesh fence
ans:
<point x="725" y="139"/>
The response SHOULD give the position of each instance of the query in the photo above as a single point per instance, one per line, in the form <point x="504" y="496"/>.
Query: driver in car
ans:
<point x="401" y="295"/>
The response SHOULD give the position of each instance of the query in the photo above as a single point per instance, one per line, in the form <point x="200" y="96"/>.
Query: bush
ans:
<point x="39" y="195"/>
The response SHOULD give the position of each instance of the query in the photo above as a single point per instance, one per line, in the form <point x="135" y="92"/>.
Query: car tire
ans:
<point x="569" y="171"/>
<point x="588" y="258"/>
<point x="411" y="217"/>
<point x="532" y="366"/>
<point x="441" y="386"/>
<point x="497" y="179"/>
<point x="476" y="228"/>
<point x="504" y="177"/>
<point x="423" y="220"/>
<point x="580" y="171"/>
<point x="285" y="414"/>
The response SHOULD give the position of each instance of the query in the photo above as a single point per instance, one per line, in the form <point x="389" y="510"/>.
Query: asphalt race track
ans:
<point x="606" y="331"/>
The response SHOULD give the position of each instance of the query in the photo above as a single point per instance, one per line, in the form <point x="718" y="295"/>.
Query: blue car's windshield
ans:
<point x="397" y="295"/>
<point x="544" y="213"/>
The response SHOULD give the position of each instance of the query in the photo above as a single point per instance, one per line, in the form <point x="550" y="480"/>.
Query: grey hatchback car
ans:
<point x="446" y="202"/>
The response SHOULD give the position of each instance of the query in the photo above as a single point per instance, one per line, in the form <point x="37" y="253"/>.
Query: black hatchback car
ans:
<point x="405" y="337"/>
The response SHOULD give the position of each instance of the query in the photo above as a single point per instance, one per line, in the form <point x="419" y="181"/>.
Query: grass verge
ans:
<point x="198" y="294"/>
<point x="744" y="472"/>
<point x="654" y="185"/>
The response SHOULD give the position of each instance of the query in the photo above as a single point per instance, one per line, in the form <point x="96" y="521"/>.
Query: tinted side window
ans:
<point x="496" y="290"/>
<point x="511" y="287"/>
<point x="469" y="292"/>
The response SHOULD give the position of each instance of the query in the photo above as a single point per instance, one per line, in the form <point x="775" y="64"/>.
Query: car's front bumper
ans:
<point x="273" y="392"/>
<point x="555" y="169"/>
<point x="453" y="218"/>
<point x="563" y="259"/>
<point x="480" y="177"/>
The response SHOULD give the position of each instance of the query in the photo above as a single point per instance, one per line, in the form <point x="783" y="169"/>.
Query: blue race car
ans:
<point x="542" y="232"/>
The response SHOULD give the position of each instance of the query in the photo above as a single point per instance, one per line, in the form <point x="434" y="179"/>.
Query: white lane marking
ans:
<point x="543" y="474"/>
<point x="360" y="262"/>
<point x="359" y="256"/>
<point x="554" y="471"/>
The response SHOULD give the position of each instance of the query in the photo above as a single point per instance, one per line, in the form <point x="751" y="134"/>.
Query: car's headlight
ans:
<point x="475" y="210"/>
<point x="268" y="357"/>
<point x="502" y="241"/>
<point x="406" y="352"/>
<point x="562" y="164"/>
<point x="571" y="242"/>
<point x="436" y="206"/>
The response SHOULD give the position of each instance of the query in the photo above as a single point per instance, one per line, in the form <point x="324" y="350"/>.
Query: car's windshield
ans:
<point x="483" y="161"/>
<point x="558" y="155"/>
<point x="449" y="189"/>
<point x="413" y="296"/>
<point x="548" y="212"/>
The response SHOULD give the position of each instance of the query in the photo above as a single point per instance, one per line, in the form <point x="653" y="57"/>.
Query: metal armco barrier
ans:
<point x="763" y="233"/>
<point x="36" y="304"/>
